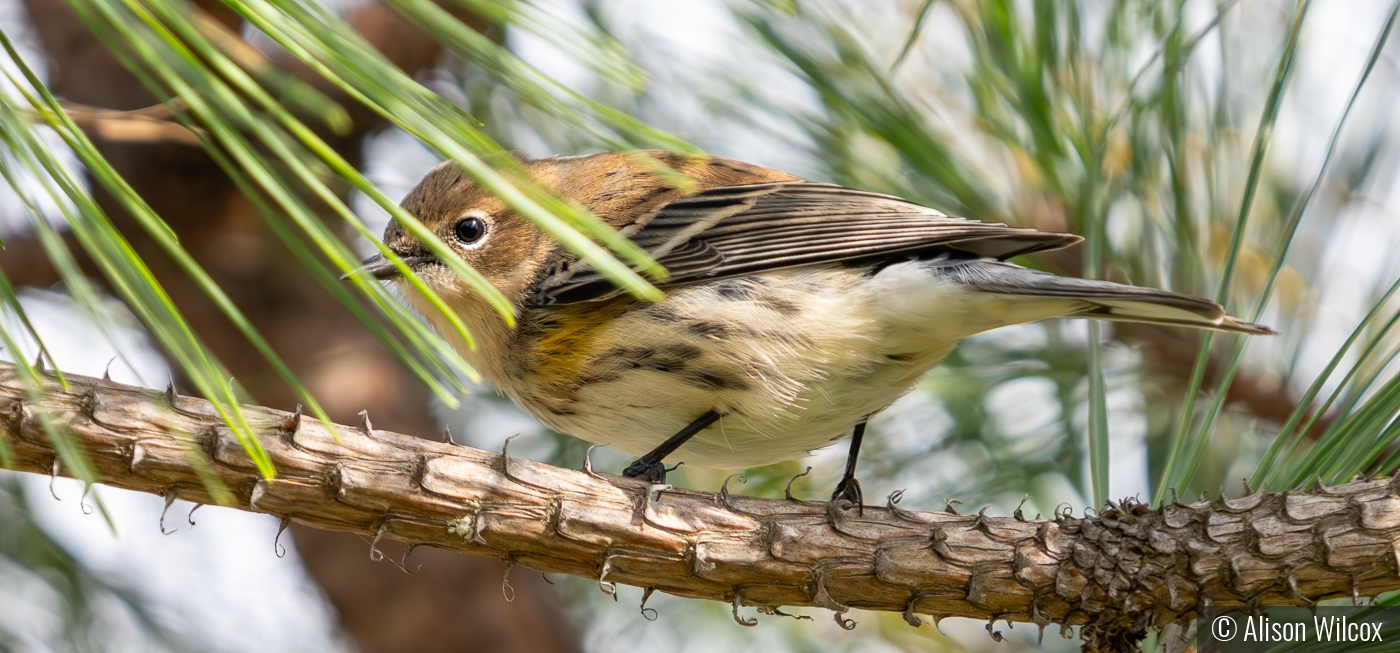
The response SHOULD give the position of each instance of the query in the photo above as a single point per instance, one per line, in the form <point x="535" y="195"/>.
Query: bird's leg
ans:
<point x="649" y="467"/>
<point x="849" y="487"/>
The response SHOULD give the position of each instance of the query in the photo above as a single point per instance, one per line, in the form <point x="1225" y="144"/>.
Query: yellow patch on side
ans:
<point x="559" y="354"/>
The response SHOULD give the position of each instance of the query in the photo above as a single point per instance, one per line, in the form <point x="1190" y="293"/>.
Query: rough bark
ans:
<point x="1119" y="574"/>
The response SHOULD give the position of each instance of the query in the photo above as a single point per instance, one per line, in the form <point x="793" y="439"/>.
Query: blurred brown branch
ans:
<point x="1129" y="570"/>
<point x="154" y="123"/>
<point x="1171" y="354"/>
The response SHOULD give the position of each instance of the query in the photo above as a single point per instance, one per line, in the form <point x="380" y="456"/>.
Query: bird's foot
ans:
<point x="648" y="470"/>
<point x="848" y="490"/>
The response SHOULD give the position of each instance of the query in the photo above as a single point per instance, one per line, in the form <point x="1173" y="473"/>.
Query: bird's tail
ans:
<point x="1104" y="300"/>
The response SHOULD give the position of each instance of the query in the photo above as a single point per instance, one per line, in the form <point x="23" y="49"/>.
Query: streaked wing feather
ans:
<point x="743" y="229"/>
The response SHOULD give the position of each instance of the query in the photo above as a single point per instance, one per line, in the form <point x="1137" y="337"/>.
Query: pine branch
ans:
<point x="1126" y="571"/>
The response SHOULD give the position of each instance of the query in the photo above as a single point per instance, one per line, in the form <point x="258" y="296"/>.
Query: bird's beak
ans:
<point x="381" y="268"/>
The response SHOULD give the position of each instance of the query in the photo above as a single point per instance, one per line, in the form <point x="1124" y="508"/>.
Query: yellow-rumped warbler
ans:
<point x="793" y="311"/>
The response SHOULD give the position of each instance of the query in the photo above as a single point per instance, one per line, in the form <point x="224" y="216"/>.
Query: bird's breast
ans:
<point x="792" y="358"/>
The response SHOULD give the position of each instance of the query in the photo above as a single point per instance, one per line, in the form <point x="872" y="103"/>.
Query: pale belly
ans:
<point x="792" y="359"/>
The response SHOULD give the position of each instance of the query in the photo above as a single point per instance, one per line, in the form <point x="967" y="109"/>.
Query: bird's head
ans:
<point x="477" y="227"/>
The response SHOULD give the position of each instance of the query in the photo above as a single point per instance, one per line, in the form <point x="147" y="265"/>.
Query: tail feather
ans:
<point x="1106" y="300"/>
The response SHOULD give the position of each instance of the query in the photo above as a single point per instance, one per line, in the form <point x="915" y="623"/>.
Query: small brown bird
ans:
<point x="794" y="310"/>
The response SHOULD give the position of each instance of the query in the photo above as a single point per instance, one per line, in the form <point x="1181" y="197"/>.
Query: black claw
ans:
<point x="849" y="490"/>
<point x="649" y="467"/>
<point x="654" y="472"/>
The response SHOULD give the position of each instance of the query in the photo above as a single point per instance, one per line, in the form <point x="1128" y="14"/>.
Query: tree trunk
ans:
<point x="1128" y="570"/>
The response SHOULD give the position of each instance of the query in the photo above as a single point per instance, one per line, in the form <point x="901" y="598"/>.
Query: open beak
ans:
<point x="381" y="268"/>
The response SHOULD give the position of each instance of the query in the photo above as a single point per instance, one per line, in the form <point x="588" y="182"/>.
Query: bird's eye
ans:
<point x="470" y="230"/>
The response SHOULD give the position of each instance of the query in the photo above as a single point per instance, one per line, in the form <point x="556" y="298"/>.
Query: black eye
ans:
<point x="469" y="230"/>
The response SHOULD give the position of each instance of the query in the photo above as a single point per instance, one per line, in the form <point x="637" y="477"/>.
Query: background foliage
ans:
<point x="1243" y="150"/>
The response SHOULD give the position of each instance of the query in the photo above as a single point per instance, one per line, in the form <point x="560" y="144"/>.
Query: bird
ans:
<point x="793" y="310"/>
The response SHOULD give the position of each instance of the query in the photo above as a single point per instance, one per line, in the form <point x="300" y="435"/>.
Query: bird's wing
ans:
<point x="736" y="230"/>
